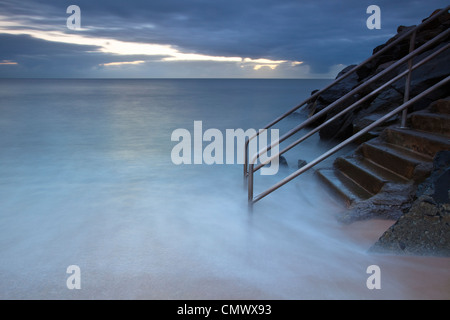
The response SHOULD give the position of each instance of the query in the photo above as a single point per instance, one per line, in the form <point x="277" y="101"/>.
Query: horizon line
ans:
<point x="180" y="78"/>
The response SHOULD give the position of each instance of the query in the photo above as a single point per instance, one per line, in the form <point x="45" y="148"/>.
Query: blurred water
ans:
<point x="86" y="179"/>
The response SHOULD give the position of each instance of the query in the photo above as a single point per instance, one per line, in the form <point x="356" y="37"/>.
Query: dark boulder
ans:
<point x="425" y="228"/>
<point x="283" y="162"/>
<point x="301" y="163"/>
<point x="342" y="127"/>
<point x="334" y="93"/>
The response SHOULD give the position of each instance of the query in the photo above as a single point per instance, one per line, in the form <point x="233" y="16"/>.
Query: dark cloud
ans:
<point x="40" y="58"/>
<point x="320" y="33"/>
<point x="14" y="46"/>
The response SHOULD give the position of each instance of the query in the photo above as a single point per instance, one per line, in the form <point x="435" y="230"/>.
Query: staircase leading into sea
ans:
<point x="398" y="156"/>
<point x="402" y="154"/>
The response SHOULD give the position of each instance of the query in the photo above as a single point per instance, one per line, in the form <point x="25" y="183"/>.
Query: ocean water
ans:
<point x="86" y="179"/>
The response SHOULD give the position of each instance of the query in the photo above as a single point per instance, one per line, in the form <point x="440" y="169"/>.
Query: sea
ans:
<point x="89" y="195"/>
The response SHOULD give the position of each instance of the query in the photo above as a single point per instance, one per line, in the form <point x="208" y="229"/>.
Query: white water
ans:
<point x="86" y="179"/>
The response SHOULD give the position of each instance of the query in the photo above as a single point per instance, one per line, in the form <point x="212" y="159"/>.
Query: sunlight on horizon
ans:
<point x="7" y="62"/>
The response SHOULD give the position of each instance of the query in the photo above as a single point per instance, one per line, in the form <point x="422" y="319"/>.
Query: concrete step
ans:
<point x="419" y="141"/>
<point x="396" y="156"/>
<point x="431" y="122"/>
<point x="369" y="175"/>
<point x="342" y="186"/>
<point x="441" y="106"/>
<point x="398" y="160"/>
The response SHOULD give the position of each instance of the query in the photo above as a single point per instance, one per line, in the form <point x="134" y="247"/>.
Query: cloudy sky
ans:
<point x="195" y="38"/>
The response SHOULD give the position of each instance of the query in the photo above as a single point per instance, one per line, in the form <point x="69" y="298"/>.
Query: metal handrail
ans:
<point x="339" y="146"/>
<point x="351" y="93"/>
<point x="250" y="170"/>
<point x="353" y="106"/>
<point x="315" y="95"/>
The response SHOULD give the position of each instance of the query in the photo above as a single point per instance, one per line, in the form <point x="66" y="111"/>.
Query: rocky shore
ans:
<point x="421" y="207"/>
<point x="391" y="97"/>
<point x="425" y="228"/>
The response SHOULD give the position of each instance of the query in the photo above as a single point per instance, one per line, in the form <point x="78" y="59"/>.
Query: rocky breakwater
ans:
<point x="421" y="207"/>
<point x="392" y="96"/>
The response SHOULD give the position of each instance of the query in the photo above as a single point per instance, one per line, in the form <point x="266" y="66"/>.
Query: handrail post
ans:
<point x="247" y="141"/>
<point x="408" y="80"/>
<point x="250" y="185"/>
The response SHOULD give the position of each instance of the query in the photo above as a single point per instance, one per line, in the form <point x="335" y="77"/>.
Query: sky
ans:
<point x="195" y="38"/>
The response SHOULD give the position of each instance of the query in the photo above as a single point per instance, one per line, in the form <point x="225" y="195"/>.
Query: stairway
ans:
<point x="397" y="156"/>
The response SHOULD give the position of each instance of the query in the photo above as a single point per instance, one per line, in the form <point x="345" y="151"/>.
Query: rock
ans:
<point x="441" y="106"/>
<point x="384" y="66"/>
<point x="339" y="129"/>
<point x="402" y="48"/>
<point x="402" y="29"/>
<point x="393" y="54"/>
<point x="425" y="228"/>
<point x="390" y="203"/>
<point x="441" y="164"/>
<point x="313" y="107"/>
<point x="283" y="162"/>
<point x="301" y="163"/>
<point x="425" y="76"/>
<point x="364" y="121"/>
<point x="386" y="101"/>
<point x="441" y="185"/>
<point x="334" y="93"/>
<point x="341" y="88"/>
